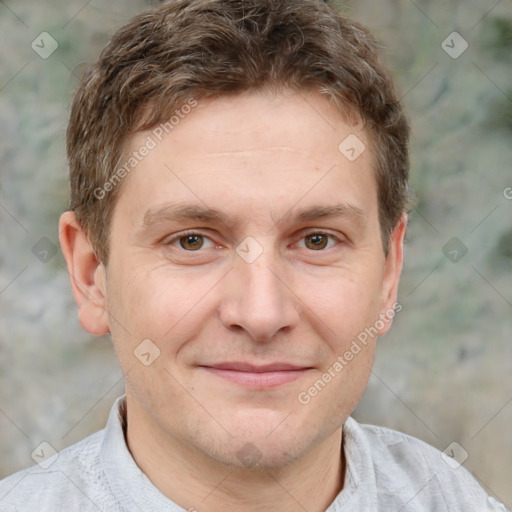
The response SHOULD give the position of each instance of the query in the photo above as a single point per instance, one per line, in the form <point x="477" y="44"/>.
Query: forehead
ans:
<point x="257" y="118"/>
<point x="249" y="153"/>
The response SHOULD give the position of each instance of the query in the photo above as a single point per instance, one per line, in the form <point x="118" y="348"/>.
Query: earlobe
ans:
<point x="87" y="275"/>
<point x="392" y="272"/>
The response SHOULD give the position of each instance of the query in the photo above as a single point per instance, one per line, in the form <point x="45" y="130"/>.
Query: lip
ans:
<point x="257" y="376"/>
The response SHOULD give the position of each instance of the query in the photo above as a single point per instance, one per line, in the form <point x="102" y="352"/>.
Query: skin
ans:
<point x="257" y="158"/>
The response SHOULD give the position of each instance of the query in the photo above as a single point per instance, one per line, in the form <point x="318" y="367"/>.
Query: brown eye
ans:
<point x="191" y="242"/>
<point x="316" y="241"/>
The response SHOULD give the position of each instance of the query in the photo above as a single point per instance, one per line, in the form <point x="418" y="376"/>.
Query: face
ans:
<point x="246" y="251"/>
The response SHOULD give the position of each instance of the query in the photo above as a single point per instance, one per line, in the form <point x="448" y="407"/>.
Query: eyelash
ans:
<point x="303" y="235"/>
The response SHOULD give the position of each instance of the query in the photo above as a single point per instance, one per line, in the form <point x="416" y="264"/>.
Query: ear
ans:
<point x="87" y="275"/>
<point x="392" y="270"/>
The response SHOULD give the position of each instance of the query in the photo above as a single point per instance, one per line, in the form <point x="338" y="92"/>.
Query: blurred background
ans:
<point x="444" y="371"/>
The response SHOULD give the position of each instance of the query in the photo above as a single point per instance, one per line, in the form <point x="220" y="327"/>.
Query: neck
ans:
<point x="199" y="483"/>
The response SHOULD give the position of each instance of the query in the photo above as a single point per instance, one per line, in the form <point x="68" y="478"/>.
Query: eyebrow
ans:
<point x="186" y="211"/>
<point x="182" y="211"/>
<point x="321" y="212"/>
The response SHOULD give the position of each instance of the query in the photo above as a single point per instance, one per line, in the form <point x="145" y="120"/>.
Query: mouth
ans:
<point x="257" y="376"/>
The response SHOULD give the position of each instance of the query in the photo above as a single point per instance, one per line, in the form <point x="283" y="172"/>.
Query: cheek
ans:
<point x="130" y="305"/>
<point x="347" y="301"/>
<point x="127" y="297"/>
<point x="157" y="302"/>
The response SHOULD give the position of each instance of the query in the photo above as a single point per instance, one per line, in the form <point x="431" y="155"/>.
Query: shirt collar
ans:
<point x="360" y="489"/>
<point x="130" y="486"/>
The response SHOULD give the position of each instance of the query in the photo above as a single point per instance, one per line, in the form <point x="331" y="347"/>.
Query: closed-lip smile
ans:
<point x="257" y="376"/>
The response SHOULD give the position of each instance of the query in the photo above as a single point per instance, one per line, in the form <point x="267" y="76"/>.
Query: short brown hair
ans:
<point x="186" y="49"/>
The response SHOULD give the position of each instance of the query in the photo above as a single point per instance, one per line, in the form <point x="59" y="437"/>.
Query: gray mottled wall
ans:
<point x="444" y="371"/>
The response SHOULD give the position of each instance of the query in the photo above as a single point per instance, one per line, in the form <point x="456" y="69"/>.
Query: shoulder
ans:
<point x="70" y="480"/>
<point x="423" y="477"/>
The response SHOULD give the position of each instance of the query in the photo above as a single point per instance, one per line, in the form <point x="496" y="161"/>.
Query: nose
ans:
<point x="259" y="299"/>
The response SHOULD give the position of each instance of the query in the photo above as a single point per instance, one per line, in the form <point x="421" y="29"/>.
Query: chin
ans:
<point x="258" y="455"/>
<point x="262" y="444"/>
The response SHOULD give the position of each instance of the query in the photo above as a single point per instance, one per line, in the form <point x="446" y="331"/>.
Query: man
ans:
<point x="239" y="202"/>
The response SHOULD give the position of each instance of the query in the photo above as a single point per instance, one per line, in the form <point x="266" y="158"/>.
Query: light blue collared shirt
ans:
<point x="387" y="471"/>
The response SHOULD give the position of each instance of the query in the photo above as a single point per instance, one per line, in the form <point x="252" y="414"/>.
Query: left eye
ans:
<point x="317" y="241"/>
